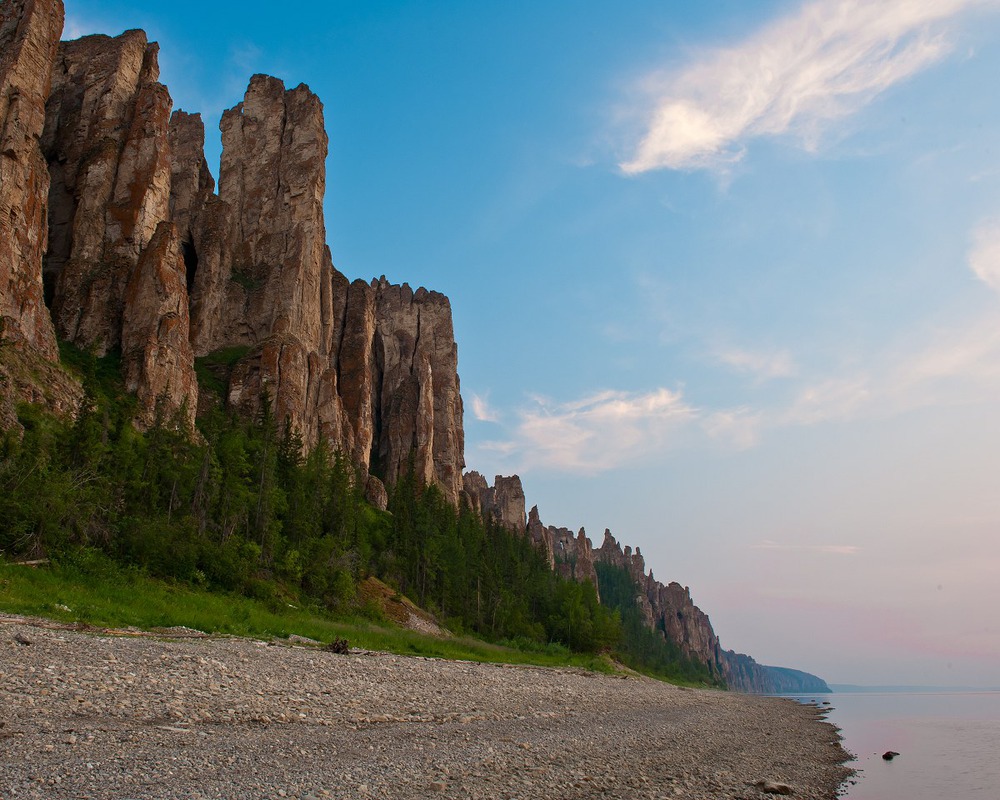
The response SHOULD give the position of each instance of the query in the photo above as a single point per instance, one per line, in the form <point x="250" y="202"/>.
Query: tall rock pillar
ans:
<point x="109" y="157"/>
<point x="273" y="178"/>
<point x="29" y="39"/>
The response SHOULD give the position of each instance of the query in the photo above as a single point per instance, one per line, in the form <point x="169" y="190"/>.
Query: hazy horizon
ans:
<point x="724" y="276"/>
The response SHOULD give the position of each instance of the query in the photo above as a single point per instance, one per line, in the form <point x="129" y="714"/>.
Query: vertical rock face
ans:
<point x="108" y="153"/>
<point x="571" y="556"/>
<point x="610" y="552"/>
<point x="273" y="178"/>
<point x="157" y="360"/>
<point x="503" y="502"/>
<point x="541" y="536"/>
<point x="354" y="343"/>
<point x="371" y="368"/>
<point x="257" y="265"/>
<point x="203" y="225"/>
<point x="29" y="38"/>
<point x="668" y="609"/>
<point x="417" y="402"/>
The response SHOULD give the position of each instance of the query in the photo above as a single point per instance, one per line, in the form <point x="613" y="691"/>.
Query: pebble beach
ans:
<point x="87" y="714"/>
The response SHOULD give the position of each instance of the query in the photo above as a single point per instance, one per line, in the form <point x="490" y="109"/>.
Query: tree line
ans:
<point x="242" y="507"/>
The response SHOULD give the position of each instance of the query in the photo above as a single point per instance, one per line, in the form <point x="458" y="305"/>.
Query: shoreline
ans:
<point x="103" y="716"/>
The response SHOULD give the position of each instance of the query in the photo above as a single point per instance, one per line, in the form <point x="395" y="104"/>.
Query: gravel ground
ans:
<point x="85" y="715"/>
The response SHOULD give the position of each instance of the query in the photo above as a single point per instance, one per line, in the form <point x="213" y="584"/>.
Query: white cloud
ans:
<point x="740" y="427"/>
<point x="831" y="399"/>
<point x="482" y="410"/>
<point x="824" y="549"/>
<point x="759" y="364"/>
<point x="611" y="429"/>
<point x="946" y="366"/>
<point x="984" y="255"/>
<point x="793" y="77"/>
<point x="598" y="432"/>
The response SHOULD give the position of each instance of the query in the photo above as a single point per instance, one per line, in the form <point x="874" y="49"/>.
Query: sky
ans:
<point x="725" y="279"/>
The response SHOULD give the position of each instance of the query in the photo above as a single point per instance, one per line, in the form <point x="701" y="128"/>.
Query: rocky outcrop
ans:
<point x="29" y="38"/>
<point x="684" y="624"/>
<point x="157" y="360"/>
<point x="744" y="674"/>
<point x="610" y="552"/>
<point x="273" y="178"/>
<point x="106" y="145"/>
<point x="278" y="296"/>
<point x="670" y="610"/>
<point x="570" y="555"/>
<point x="370" y="367"/>
<point x="417" y="404"/>
<point x="503" y="502"/>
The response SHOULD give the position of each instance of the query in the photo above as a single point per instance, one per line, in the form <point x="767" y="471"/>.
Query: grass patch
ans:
<point x="93" y="590"/>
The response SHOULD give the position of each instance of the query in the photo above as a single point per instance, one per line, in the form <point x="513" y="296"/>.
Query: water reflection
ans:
<point x="948" y="742"/>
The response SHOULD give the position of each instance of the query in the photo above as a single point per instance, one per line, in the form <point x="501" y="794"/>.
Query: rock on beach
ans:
<point x="99" y="716"/>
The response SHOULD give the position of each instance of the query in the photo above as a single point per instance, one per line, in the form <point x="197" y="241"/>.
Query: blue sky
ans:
<point x="725" y="280"/>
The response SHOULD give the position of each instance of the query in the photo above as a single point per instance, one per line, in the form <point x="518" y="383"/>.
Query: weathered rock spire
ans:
<point x="106" y="144"/>
<point x="29" y="38"/>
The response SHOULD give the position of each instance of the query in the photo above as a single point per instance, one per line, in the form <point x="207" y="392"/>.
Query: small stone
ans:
<point x="296" y="639"/>
<point x="772" y="787"/>
<point x="20" y="638"/>
<point x="438" y="786"/>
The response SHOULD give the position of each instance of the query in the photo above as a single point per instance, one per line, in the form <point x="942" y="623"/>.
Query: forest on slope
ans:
<point x="242" y="508"/>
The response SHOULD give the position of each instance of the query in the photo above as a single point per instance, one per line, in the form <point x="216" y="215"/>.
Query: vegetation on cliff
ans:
<point x="241" y="509"/>
<point x="644" y="648"/>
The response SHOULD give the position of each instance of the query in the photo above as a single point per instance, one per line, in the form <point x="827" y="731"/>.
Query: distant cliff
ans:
<point x="667" y="609"/>
<point x="114" y="237"/>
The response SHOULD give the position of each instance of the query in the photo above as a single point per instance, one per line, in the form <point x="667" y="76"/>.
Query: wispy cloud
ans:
<point x="599" y="432"/>
<point x="824" y="549"/>
<point x="482" y="410"/>
<point x="245" y="56"/>
<point x="740" y="427"/>
<point x="761" y="365"/>
<point x="951" y="364"/>
<point x="74" y="28"/>
<point x="826" y="400"/>
<point x="984" y="255"/>
<point x="795" y="76"/>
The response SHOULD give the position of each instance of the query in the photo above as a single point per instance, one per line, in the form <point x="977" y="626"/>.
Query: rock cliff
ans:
<point x="503" y="502"/>
<point x="572" y="556"/>
<point x="29" y="370"/>
<point x="370" y="367"/>
<point x="111" y="218"/>
<point x="667" y="608"/>
<point x="157" y="360"/>
<point x="670" y="609"/>
<point x="29" y="37"/>
<point x="114" y="237"/>
<point x="106" y="145"/>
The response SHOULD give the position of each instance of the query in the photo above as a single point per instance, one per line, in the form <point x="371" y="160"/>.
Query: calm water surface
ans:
<point x="949" y="744"/>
